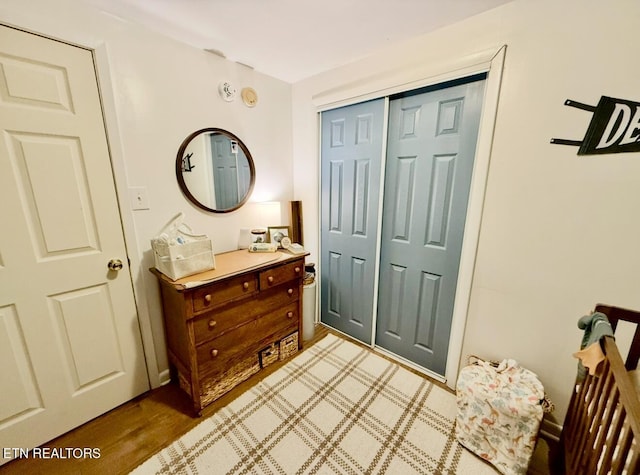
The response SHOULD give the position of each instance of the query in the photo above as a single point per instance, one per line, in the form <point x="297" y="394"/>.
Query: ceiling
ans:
<point x="293" y="39"/>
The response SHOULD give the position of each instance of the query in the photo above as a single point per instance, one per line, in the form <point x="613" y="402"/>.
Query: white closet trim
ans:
<point x="394" y="81"/>
<point x="474" y="216"/>
<point x="376" y="279"/>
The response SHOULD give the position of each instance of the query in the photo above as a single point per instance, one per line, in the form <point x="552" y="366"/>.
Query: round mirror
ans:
<point x="215" y="170"/>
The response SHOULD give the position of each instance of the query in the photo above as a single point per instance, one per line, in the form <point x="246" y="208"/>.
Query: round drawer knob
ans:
<point x="212" y="323"/>
<point x="245" y="286"/>
<point x="289" y="314"/>
<point x="207" y="299"/>
<point x="297" y="270"/>
<point x="214" y="353"/>
<point x="290" y="291"/>
<point x="270" y="279"/>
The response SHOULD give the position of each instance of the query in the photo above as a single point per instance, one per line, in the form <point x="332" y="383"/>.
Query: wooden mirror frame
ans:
<point x="179" y="169"/>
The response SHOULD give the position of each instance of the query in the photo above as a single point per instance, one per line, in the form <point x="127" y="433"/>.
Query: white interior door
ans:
<point x="70" y="343"/>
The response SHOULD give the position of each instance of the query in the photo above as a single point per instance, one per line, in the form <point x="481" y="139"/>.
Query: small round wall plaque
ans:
<point x="249" y="96"/>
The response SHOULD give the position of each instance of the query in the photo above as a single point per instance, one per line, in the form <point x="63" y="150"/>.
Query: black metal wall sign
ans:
<point x="186" y="163"/>
<point x="614" y="127"/>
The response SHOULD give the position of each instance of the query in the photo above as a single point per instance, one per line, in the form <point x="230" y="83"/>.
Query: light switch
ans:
<point x="138" y="197"/>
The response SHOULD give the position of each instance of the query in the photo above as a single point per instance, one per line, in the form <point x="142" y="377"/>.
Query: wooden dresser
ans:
<point x="223" y="325"/>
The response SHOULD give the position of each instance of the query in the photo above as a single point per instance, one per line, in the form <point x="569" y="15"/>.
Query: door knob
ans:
<point x="115" y="264"/>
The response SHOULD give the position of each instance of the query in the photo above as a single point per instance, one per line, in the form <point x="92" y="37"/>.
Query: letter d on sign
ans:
<point x="608" y="138"/>
<point x="614" y="128"/>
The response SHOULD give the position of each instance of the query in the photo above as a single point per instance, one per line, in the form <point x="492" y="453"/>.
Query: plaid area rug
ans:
<point x="336" y="408"/>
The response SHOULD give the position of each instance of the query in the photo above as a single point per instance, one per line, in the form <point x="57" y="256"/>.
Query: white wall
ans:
<point x="156" y="92"/>
<point x="559" y="232"/>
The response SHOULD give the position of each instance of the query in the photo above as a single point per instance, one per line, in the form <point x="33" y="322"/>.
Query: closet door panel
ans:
<point x="403" y="198"/>
<point x="350" y="172"/>
<point x="430" y="154"/>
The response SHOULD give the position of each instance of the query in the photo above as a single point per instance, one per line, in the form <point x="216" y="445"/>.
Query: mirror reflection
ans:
<point x="215" y="170"/>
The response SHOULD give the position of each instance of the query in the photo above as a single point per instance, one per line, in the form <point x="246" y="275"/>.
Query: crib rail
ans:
<point x="601" y="433"/>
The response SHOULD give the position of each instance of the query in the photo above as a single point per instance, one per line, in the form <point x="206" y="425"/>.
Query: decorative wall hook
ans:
<point x="614" y="127"/>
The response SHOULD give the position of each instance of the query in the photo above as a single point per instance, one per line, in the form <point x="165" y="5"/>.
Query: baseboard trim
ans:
<point x="550" y="430"/>
<point x="164" y="377"/>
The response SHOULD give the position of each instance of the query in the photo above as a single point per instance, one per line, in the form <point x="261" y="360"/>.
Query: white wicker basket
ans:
<point x="178" y="252"/>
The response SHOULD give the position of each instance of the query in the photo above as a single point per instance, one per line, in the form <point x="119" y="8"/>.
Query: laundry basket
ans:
<point x="179" y="252"/>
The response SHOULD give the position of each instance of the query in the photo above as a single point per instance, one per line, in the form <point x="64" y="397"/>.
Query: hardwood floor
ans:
<point x="133" y="432"/>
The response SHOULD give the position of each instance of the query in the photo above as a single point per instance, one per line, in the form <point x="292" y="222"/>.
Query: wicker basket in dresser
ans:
<point x="217" y="322"/>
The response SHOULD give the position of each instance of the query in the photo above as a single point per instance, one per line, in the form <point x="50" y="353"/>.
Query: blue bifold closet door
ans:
<point x="431" y="147"/>
<point x="352" y="139"/>
<point x="429" y="153"/>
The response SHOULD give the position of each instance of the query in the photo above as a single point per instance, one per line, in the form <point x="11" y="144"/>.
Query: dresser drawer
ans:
<point x="215" y="355"/>
<point x="214" y="324"/>
<point x="214" y="295"/>
<point x="278" y="275"/>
